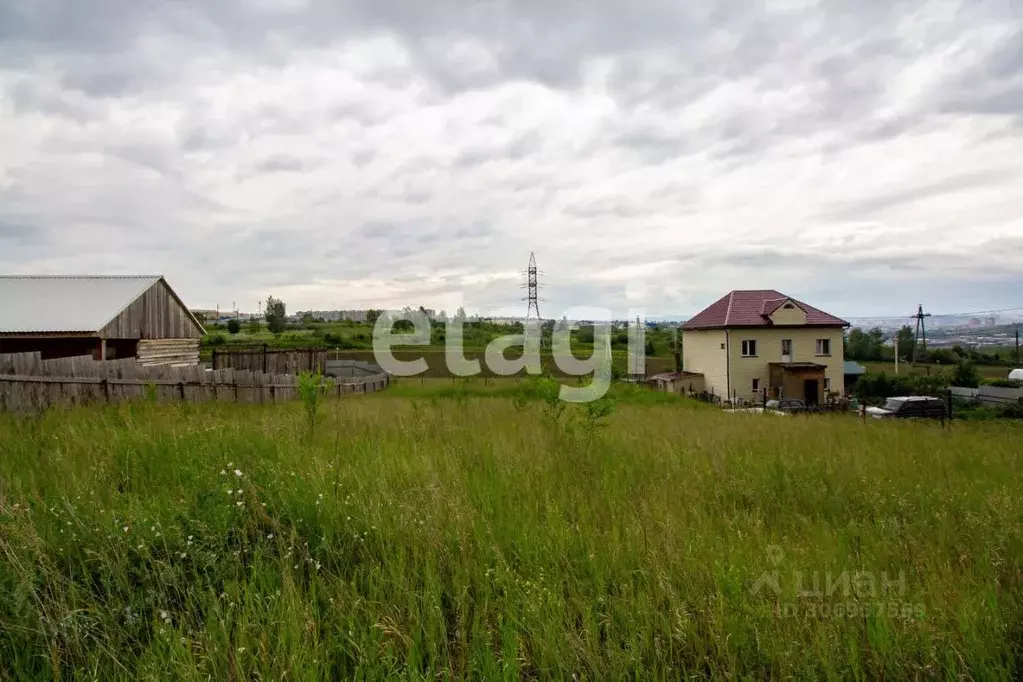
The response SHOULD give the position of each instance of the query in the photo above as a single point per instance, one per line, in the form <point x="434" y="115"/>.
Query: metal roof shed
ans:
<point x="106" y="316"/>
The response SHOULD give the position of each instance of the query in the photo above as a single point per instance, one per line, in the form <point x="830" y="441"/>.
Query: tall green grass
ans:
<point x="474" y="538"/>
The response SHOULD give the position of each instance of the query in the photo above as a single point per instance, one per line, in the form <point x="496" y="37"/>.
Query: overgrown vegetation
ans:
<point x="875" y="387"/>
<point x="437" y="538"/>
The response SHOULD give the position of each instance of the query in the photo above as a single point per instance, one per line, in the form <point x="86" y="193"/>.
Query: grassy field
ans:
<point x="429" y="537"/>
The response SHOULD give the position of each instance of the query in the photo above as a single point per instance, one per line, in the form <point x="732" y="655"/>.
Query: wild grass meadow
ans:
<point x="484" y="537"/>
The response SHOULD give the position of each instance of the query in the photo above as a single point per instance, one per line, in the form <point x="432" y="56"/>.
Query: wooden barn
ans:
<point x="105" y="317"/>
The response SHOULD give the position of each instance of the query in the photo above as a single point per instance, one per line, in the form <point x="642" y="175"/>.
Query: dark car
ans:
<point x="919" y="406"/>
<point x="787" y="405"/>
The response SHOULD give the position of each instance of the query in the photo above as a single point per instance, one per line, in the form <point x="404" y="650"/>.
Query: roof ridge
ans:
<point x="81" y="276"/>
<point x="728" y="310"/>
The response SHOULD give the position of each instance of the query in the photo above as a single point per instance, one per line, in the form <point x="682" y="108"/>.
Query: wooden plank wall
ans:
<point x="29" y="384"/>
<point x="276" y="361"/>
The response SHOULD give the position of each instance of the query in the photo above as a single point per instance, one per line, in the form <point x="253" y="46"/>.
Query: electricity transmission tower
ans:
<point x="921" y="331"/>
<point x="532" y="285"/>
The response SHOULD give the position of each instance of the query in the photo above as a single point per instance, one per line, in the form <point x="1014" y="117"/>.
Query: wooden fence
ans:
<point x="272" y="361"/>
<point x="28" y="383"/>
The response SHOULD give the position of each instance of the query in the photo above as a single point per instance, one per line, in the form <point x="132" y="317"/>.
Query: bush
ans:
<point x="1003" y="383"/>
<point x="233" y="326"/>
<point x="215" y="340"/>
<point x="966" y="375"/>
<point x="873" y="387"/>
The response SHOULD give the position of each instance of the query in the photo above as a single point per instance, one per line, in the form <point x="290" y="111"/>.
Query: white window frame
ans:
<point x="783" y="342"/>
<point x="827" y="384"/>
<point x="820" y="347"/>
<point x="756" y="384"/>
<point x="747" y="346"/>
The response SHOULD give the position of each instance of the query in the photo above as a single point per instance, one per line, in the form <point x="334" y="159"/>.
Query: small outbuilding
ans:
<point x="108" y="317"/>
<point x="680" y="383"/>
<point x="852" y="372"/>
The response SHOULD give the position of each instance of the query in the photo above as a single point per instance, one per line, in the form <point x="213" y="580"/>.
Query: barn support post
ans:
<point x="102" y="350"/>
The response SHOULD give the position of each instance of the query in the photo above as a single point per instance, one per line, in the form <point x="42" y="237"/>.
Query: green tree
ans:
<point x="460" y="315"/>
<point x="275" y="315"/>
<point x="906" y="338"/>
<point x="233" y="326"/>
<point x="254" y="326"/>
<point x="372" y="315"/>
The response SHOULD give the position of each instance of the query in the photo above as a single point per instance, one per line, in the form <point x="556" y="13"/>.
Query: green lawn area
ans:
<point x="439" y="536"/>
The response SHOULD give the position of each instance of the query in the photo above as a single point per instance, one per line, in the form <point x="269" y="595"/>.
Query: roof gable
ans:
<point x="753" y="308"/>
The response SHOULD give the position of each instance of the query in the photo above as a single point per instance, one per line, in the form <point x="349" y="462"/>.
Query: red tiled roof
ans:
<point x="752" y="308"/>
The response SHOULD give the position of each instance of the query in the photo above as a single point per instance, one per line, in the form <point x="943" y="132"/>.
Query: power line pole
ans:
<point x="921" y="331"/>
<point x="1017" y="345"/>
<point x="533" y="286"/>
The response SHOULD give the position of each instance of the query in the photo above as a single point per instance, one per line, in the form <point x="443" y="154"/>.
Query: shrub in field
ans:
<point x="1003" y="383"/>
<point x="311" y="389"/>
<point x="966" y="375"/>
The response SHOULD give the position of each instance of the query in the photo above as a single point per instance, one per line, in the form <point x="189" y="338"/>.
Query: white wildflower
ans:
<point x="270" y="536"/>
<point x="126" y="529"/>
<point x="238" y="503"/>
<point x="223" y="472"/>
<point x="238" y="473"/>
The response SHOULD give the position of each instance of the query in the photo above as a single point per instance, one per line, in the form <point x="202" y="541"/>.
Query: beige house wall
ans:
<point x="702" y="352"/>
<point x="804" y="349"/>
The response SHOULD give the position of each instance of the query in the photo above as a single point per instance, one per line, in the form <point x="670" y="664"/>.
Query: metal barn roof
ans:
<point x="36" y="304"/>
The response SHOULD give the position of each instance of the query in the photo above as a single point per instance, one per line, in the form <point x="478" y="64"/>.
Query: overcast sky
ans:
<point x="863" y="156"/>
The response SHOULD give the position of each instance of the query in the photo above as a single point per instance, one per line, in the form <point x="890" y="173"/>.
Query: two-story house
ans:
<point x="751" y="341"/>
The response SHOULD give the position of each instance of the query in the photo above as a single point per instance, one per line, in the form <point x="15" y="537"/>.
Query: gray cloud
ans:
<point x="384" y="152"/>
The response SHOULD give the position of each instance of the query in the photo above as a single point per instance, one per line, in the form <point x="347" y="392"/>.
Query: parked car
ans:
<point x="786" y="405"/>
<point x="904" y="407"/>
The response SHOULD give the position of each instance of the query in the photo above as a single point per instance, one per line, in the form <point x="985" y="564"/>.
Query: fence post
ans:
<point x="948" y="397"/>
<point x="106" y="391"/>
<point x="181" y="390"/>
<point x="214" y="358"/>
<point x="273" y="392"/>
<point x="264" y="358"/>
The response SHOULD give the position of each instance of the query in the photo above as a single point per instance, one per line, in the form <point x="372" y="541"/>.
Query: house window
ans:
<point x="786" y="346"/>
<point x="749" y="348"/>
<point x="788" y="306"/>
<point x="756" y="385"/>
<point x="722" y="346"/>
<point x="823" y="346"/>
<point x="827" y="384"/>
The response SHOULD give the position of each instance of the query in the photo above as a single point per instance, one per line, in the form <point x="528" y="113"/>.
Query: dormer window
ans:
<point x="788" y="306"/>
